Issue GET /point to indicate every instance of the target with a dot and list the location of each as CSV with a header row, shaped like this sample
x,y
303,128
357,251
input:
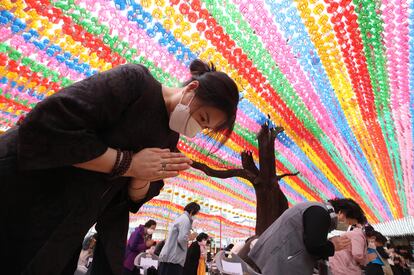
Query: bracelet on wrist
x,y
122,163
140,187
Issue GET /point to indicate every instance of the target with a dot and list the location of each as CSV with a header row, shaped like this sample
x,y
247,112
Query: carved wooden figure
x,y
271,202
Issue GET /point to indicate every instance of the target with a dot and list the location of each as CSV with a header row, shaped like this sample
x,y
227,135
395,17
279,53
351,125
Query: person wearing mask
x,y
139,241
196,254
173,254
298,238
95,151
379,265
350,260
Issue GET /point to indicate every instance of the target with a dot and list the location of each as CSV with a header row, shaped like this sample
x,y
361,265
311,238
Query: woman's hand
x,y
153,164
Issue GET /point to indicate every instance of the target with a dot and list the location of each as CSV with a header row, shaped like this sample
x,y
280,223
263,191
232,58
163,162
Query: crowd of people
x,y
296,243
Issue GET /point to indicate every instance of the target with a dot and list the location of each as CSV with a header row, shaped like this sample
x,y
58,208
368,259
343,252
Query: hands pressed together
x,y
154,164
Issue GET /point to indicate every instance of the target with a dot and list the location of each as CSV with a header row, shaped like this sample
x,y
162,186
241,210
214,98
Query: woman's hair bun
x,y
199,67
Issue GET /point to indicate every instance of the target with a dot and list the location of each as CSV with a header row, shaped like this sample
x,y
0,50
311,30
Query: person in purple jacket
x,y
139,241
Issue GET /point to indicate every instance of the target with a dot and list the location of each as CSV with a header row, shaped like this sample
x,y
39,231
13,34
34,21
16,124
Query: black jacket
x,y
192,259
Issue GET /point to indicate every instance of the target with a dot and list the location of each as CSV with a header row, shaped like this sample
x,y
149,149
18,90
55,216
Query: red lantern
x,y
201,26
203,14
184,8
196,5
192,17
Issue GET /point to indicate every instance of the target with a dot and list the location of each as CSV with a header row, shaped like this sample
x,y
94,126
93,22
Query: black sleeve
x,y
316,223
64,128
153,191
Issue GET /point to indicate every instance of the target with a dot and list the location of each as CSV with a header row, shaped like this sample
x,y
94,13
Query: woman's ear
x,y
192,86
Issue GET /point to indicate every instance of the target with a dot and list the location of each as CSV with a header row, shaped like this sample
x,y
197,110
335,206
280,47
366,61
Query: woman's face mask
x,y
150,231
182,122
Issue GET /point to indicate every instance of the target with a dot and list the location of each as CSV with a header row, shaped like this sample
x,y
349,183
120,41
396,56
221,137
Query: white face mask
x,y
150,231
182,122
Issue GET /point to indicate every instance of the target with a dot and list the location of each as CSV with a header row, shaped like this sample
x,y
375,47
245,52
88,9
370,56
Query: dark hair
x,y
390,245
370,233
201,237
349,208
192,208
216,89
159,247
362,219
380,238
368,230
150,223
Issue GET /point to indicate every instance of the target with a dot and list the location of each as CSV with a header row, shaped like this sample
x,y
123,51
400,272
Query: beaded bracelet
x,y
125,163
122,163
116,164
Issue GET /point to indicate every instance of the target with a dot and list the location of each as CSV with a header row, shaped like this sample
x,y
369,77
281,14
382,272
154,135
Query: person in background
x,y
397,268
379,265
151,250
405,263
159,247
202,267
139,241
298,238
350,260
173,254
209,258
196,254
87,251
92,153
229,247
400,263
